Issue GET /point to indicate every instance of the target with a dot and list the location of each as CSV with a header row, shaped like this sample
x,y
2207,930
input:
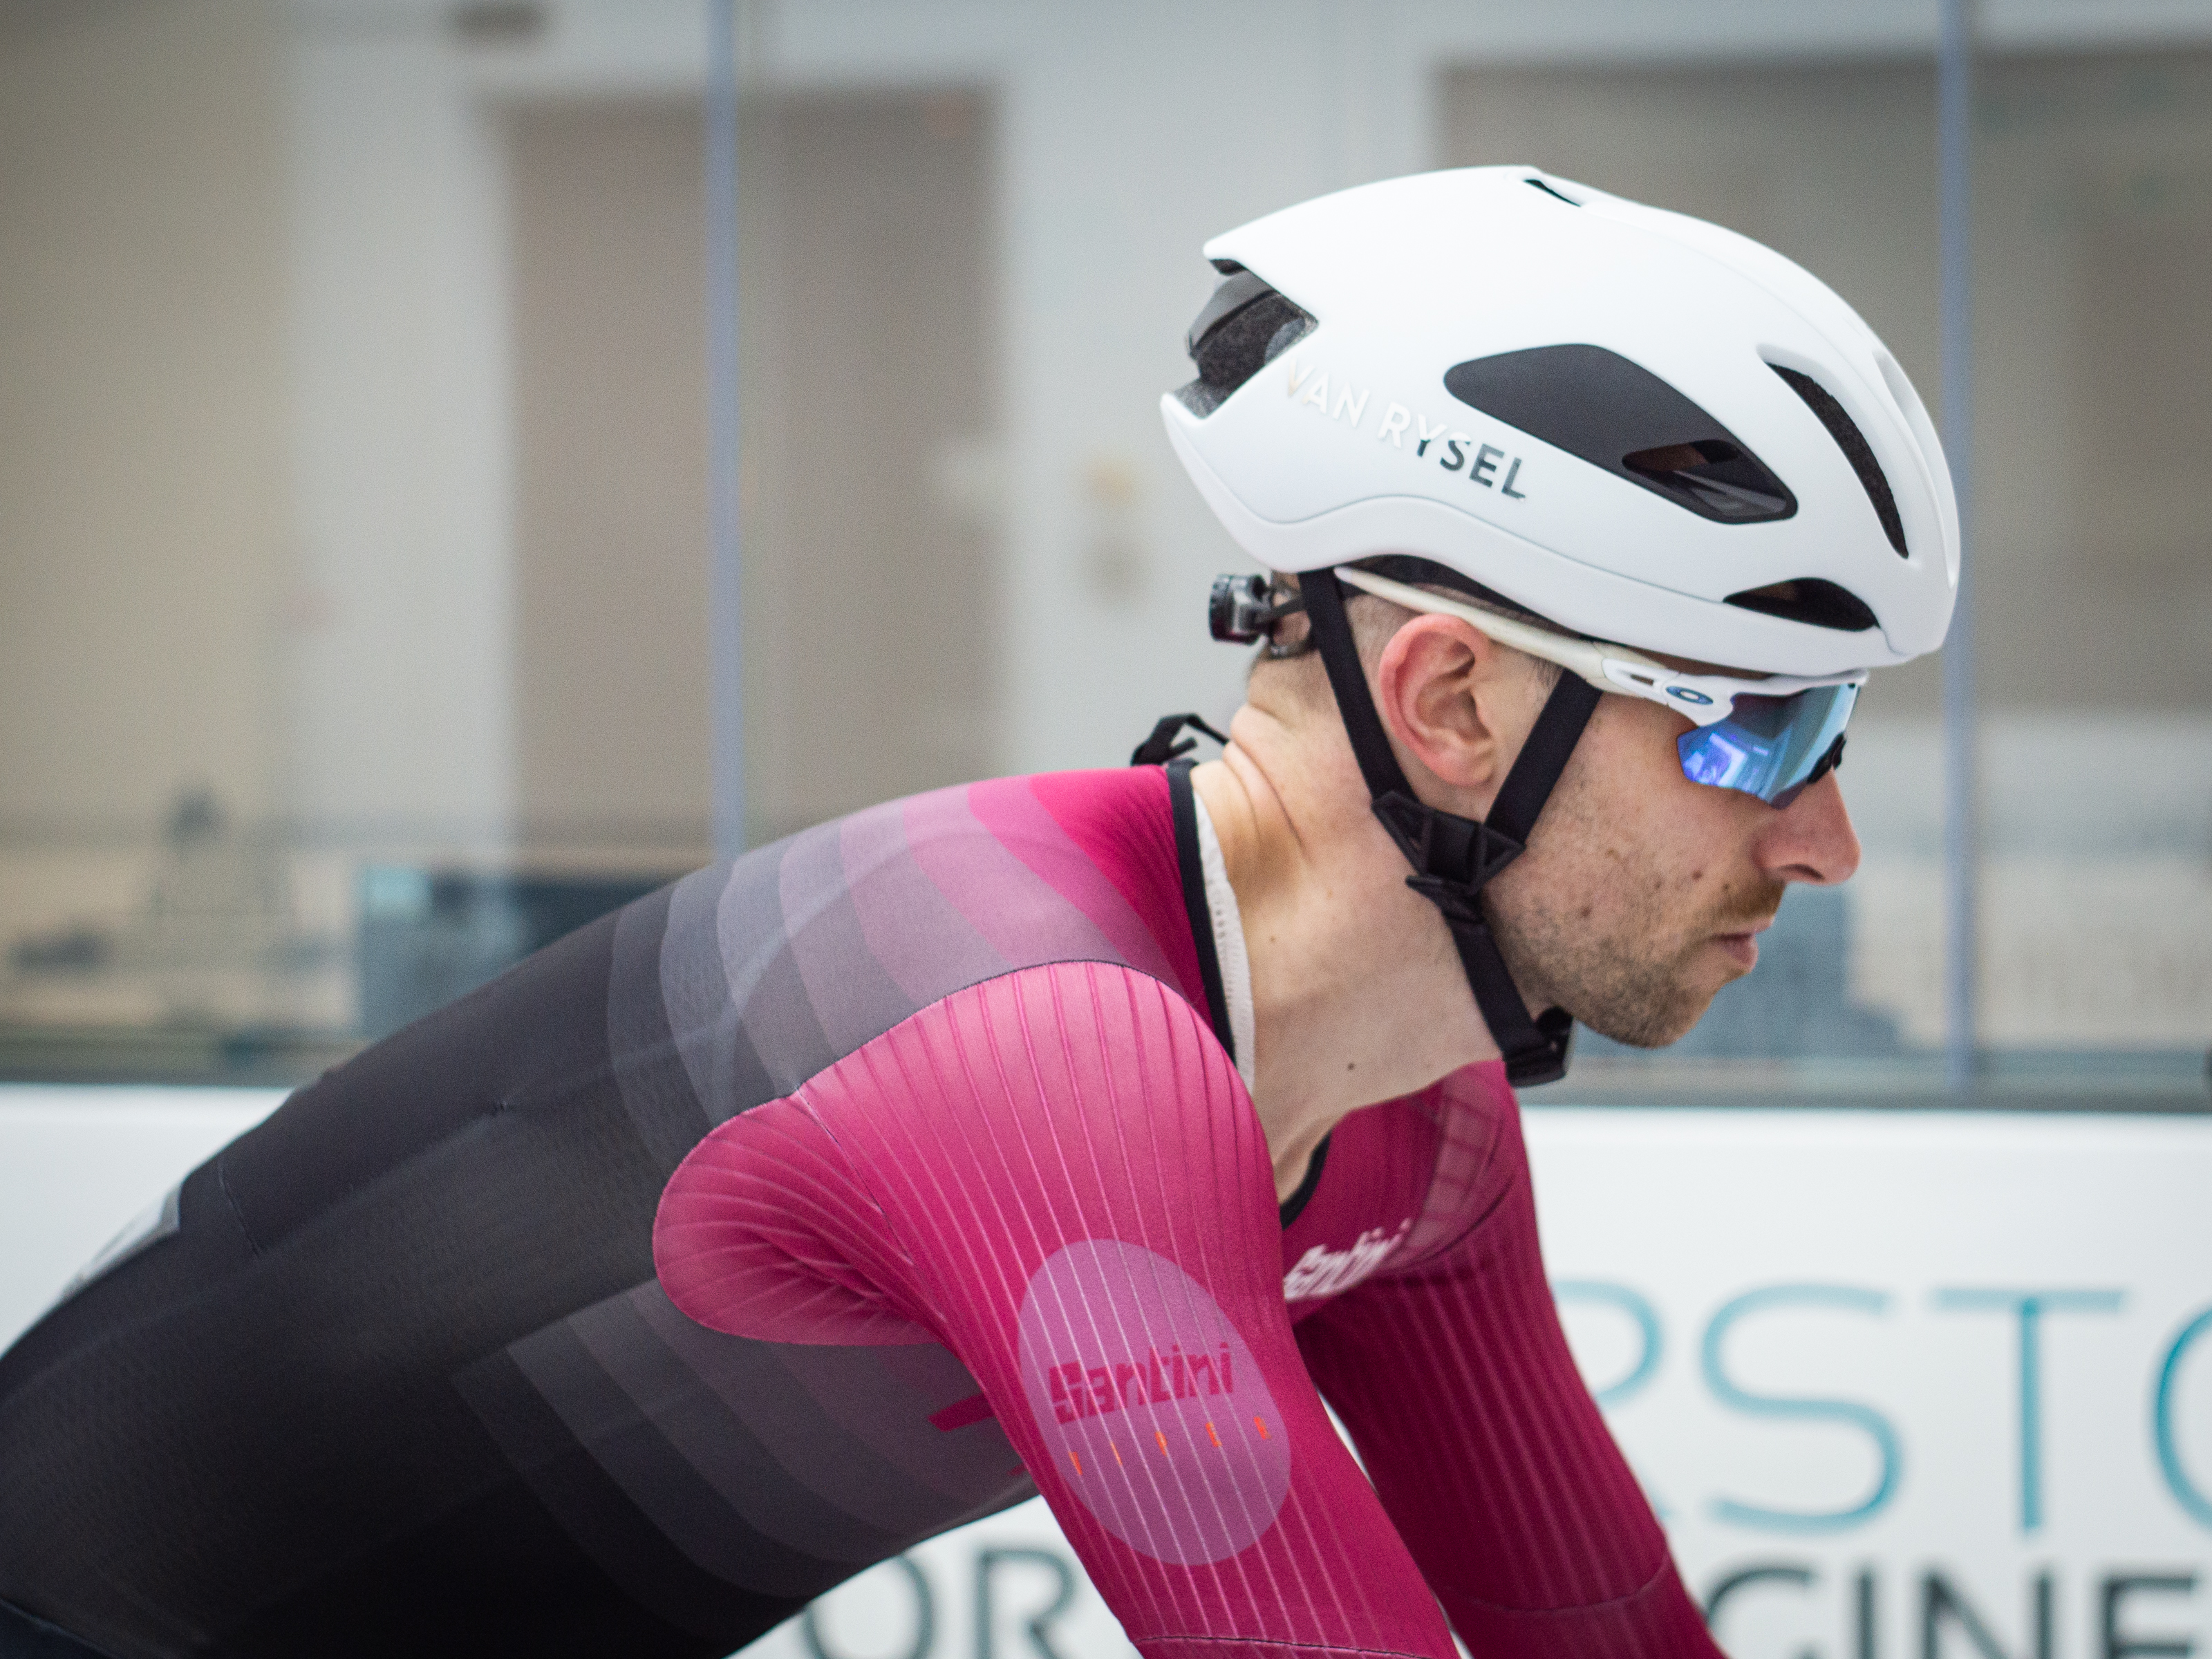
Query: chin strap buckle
x,y
1452,858
1446,850
1549,1063
1456,899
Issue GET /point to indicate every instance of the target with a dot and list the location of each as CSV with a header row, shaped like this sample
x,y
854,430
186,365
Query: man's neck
x,y
1358,995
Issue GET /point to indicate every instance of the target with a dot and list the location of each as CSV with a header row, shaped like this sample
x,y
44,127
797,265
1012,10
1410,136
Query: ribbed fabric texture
x,y
966,1168
985,1202
1455,1378
1057,1175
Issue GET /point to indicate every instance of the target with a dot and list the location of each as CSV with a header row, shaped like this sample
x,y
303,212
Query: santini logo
x,y
1455,450
1082,1390
1324,1272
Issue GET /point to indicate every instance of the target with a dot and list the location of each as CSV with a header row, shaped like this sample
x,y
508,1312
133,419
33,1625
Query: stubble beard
x,y
1603,931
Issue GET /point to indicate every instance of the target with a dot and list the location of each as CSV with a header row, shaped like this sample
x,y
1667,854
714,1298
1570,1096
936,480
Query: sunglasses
x,y
1773,737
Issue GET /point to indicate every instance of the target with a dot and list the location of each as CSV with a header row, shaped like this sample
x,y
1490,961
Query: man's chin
x,y
1665,1017
1646,1028
1645,1006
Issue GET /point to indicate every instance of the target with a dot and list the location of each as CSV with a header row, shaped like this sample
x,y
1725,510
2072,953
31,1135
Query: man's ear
x,y
1445,691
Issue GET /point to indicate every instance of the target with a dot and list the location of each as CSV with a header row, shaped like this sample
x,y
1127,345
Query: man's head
x,y
1663,445
1641,893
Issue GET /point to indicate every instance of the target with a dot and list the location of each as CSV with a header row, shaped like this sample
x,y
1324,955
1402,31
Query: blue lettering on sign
x,y
2029,1307
2186,1492
1039,1625
1864,1417
1763,1572
1943,1599
924,1616
2191,1490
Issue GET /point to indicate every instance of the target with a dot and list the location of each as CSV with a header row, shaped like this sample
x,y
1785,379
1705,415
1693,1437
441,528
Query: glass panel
x,y
2094,222
352,444
154,901
354,437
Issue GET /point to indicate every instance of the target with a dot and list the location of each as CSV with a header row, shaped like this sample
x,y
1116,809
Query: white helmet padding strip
x,y
1706,699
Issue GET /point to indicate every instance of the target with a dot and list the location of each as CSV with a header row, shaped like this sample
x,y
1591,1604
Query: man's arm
x,y
1455,1378
1058,1173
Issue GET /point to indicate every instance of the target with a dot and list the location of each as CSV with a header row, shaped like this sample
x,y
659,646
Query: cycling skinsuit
x,y
790,1216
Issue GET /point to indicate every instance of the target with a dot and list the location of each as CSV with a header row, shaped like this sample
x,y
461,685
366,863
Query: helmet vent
x,y
1618,415
1852,442
1538,184
1242,328
1812,600
1712,476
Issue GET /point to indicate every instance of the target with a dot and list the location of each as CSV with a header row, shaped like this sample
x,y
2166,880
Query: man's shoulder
x,y
758,974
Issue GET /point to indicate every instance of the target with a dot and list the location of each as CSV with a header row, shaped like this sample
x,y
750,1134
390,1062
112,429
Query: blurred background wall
x,y
145,505
145,496
352,460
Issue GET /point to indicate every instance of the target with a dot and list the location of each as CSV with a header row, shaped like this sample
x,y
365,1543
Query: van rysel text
x,y
1451,450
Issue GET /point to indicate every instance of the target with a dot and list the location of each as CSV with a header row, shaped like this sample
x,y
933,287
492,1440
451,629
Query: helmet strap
x,y
1452,856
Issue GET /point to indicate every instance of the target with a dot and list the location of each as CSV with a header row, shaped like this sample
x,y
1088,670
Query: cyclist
x,y
1079,1133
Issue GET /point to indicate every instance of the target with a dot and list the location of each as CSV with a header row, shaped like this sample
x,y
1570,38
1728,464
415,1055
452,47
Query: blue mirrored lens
x,y
1770,747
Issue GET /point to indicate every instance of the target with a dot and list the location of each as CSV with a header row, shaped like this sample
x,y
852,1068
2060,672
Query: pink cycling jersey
x,y
793,1214
1057,1174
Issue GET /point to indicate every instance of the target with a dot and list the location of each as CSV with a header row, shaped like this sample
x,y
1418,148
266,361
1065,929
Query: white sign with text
x,y
1903,1385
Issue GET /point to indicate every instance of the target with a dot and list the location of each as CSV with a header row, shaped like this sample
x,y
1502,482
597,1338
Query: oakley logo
x,y
1404,430
1686,694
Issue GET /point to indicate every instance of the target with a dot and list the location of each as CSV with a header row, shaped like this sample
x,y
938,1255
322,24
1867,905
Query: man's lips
x,y
1742,944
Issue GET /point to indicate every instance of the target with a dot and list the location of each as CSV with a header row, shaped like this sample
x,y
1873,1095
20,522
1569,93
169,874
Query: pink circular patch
x,y
1151,1404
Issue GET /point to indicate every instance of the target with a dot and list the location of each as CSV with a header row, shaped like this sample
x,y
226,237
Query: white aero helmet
x,y
1642,427
1652,434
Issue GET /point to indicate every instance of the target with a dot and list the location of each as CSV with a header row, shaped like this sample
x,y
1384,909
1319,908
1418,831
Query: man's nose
x,y
1812,839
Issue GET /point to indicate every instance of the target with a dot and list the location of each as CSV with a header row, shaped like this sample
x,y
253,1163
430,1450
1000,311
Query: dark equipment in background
x,y
428,936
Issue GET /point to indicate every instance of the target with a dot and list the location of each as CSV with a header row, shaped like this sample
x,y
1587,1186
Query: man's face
x,y
1641,893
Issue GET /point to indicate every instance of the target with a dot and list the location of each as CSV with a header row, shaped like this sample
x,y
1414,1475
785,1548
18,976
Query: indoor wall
x,y
871,567
2093,234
